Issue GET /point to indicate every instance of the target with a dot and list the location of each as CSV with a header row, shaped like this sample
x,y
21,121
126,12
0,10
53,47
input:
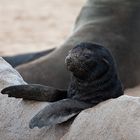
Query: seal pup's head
x,y
89,61
94,71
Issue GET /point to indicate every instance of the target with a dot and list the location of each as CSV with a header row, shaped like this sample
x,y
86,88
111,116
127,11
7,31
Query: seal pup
x,y
94,79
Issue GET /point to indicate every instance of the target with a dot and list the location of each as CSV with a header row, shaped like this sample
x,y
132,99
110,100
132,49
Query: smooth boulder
x,y
15,114
115,119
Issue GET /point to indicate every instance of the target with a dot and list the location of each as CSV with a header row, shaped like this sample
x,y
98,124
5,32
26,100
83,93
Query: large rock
x,y
15,114
116,119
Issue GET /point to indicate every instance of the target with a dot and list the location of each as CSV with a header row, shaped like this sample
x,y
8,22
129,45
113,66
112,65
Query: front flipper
x,y
25,58
35,92
57,112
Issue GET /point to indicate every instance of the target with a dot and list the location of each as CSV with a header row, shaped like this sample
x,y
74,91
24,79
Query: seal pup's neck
x,y
97,89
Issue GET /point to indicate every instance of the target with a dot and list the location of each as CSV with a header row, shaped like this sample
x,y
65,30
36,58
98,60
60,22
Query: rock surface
x,y
116,119
15,114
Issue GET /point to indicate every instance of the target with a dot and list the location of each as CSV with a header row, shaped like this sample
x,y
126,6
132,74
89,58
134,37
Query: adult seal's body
x,y
94,79
111,23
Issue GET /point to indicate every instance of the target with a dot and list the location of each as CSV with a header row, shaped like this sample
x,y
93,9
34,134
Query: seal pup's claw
x,y
35,122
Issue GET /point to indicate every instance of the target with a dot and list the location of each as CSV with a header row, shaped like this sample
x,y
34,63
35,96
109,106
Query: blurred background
x,y
35,25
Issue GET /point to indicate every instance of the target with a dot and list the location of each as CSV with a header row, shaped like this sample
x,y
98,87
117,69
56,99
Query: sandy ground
x,y
33,25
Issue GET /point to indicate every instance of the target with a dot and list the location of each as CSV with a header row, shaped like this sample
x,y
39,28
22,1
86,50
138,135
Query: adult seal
x,y
93,79
114,24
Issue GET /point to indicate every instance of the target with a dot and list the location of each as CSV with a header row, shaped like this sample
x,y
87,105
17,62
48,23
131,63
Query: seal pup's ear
x,y
57,112
106,61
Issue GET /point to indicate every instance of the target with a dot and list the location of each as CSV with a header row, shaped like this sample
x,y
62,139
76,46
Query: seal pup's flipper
x,y
35,92
57,112
20,59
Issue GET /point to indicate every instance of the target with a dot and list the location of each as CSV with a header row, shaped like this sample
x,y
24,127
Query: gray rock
x,y
8,75
115,119
15,114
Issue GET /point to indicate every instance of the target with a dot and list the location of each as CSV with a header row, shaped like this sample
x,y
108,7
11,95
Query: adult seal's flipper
x,y
35,92
24,58
57,112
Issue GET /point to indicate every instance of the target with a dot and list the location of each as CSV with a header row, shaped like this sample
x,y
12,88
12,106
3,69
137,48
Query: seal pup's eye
x,y
87,56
